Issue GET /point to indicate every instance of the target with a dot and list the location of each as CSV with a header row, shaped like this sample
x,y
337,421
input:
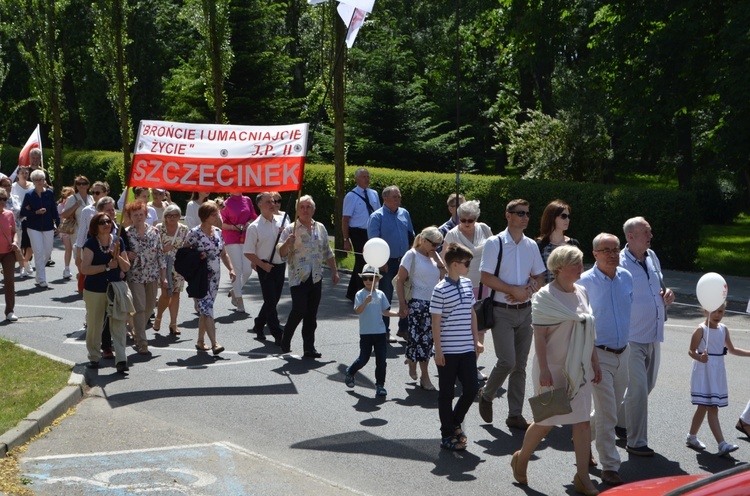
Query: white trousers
x,y
41,245
242,267
643,368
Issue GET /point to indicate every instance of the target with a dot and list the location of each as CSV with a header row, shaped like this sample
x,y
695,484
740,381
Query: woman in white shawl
x,y
564,343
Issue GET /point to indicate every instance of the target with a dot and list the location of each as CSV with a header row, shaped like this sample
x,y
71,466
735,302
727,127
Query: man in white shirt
x,y
647,317
359,203
520,274
260,248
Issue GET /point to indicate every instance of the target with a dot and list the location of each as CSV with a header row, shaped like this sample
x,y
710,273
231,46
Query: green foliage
x,y
96,166
720,197
725,248
564,147
594,208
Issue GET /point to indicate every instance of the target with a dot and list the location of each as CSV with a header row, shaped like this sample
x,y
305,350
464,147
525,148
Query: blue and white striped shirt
x,y
453,300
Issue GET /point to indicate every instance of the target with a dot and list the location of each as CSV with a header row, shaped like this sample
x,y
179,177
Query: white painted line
x,y
83,309
123,452
224,364
253,454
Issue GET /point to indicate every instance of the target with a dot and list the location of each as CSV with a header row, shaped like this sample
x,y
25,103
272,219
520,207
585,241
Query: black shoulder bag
x,y
484,308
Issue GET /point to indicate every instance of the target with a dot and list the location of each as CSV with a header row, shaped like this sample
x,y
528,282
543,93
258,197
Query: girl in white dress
x,y
708,380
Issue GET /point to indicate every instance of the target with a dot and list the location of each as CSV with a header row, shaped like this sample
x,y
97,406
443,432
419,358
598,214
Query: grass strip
x,y
726,249
28,381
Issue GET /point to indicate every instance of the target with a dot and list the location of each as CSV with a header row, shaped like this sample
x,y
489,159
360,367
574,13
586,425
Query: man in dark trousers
x,y
359,203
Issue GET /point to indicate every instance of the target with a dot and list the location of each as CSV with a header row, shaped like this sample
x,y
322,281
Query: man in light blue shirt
x,y
359,204
392,224
647,317
610,290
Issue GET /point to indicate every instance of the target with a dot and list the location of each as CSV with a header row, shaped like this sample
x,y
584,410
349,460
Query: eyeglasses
x,y
608,251
37,180
278,202
82,184
96,193
104,222
368,278
468,221
434,245
172,215
565,216
521,213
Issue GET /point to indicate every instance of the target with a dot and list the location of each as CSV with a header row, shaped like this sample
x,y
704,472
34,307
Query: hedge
x,y
673,215
595,208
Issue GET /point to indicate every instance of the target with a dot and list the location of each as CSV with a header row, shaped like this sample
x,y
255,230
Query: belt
x,y
616,351
512,307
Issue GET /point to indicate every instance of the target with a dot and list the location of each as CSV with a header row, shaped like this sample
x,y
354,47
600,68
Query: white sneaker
x,y
725,448
42,284
694,442
29,269
24,274
66,273
11,317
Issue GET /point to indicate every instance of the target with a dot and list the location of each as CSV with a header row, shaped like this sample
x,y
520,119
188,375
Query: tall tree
x,y
36,28
110,42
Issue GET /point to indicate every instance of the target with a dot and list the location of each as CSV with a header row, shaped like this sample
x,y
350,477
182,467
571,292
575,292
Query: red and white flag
x,y
219,158
34,141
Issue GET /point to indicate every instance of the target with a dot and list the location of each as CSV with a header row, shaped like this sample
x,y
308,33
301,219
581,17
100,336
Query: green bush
x,y
594,208
721,197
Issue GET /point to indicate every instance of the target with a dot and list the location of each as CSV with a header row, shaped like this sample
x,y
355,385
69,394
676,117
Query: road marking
x,y
52,308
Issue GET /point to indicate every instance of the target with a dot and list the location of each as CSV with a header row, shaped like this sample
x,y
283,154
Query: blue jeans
x,y
367,343
386,286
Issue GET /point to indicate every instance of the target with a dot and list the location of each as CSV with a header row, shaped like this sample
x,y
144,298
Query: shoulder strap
x,y
497,268
273,252
370,210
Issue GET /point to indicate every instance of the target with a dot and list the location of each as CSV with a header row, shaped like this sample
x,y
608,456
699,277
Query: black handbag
x,y
484,308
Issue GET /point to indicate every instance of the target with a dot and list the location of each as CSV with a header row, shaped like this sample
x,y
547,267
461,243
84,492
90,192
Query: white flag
x,y
354,18
34,141
365,5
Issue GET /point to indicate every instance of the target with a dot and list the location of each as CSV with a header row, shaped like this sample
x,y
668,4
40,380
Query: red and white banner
x,y
219,158
34,141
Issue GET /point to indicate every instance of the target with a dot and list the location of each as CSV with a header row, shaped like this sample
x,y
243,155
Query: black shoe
x,y
260,335
285,350
313,354
640,451
122,367
621,433
277,335
93,365
50,263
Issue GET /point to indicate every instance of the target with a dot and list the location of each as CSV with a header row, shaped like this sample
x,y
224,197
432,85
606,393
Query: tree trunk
x,y
217,77
338,125
122,101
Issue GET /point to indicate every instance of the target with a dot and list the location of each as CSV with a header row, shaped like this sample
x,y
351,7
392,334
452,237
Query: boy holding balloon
x,y
371,305
708,380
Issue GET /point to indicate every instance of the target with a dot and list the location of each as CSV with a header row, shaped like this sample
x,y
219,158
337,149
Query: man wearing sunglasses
x,y
519,275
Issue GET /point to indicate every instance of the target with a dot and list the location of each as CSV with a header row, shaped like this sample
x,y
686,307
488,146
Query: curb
x,y
42,417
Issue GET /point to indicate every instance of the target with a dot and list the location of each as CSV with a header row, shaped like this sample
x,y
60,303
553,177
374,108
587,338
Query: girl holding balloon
x,y
708,380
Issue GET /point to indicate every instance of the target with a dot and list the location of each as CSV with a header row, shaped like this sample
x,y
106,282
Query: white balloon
x,y
711,291
376,252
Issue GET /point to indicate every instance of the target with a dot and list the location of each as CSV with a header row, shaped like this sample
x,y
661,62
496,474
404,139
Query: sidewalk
x,y
684,283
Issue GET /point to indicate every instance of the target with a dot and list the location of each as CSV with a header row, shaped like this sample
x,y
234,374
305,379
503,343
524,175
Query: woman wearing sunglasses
x,y
74,205
555,221
473,235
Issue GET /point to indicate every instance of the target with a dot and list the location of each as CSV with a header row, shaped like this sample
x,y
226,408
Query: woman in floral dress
x,y
147,270
173,235
207,239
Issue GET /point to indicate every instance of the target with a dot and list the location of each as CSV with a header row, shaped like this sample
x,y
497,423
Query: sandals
x,y
157,324
217,349
201,346
460,435
743,427
451,443
412,368
174,330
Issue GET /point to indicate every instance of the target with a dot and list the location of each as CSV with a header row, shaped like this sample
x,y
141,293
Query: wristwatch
x,y
106,268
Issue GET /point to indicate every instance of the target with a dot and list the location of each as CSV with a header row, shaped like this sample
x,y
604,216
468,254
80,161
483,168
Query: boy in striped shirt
x,y
454,331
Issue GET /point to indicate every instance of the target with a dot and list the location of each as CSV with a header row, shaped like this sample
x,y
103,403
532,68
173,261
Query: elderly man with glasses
x,y
610,290
511,266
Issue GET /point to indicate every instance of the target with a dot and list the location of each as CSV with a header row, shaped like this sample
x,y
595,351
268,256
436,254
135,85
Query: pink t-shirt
x,y
7,223
238,211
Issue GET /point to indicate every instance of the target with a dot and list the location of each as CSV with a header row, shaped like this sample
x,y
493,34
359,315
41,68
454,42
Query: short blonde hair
x,y
431,234
563,256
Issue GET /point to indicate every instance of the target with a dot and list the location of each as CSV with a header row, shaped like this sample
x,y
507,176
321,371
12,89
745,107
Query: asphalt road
x,y
253,422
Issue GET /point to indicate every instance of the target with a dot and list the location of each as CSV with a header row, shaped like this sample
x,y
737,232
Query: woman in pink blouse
x,y
237,214
147,270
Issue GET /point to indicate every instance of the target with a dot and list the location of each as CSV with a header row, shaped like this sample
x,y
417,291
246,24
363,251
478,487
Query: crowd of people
x,y
596,334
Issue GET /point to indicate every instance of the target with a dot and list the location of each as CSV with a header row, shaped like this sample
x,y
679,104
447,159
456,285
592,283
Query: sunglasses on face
x,y
82,184
278,202
104,222
368,278
96,193
608,251
465,263
521,213
3,199
565,216
468,221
